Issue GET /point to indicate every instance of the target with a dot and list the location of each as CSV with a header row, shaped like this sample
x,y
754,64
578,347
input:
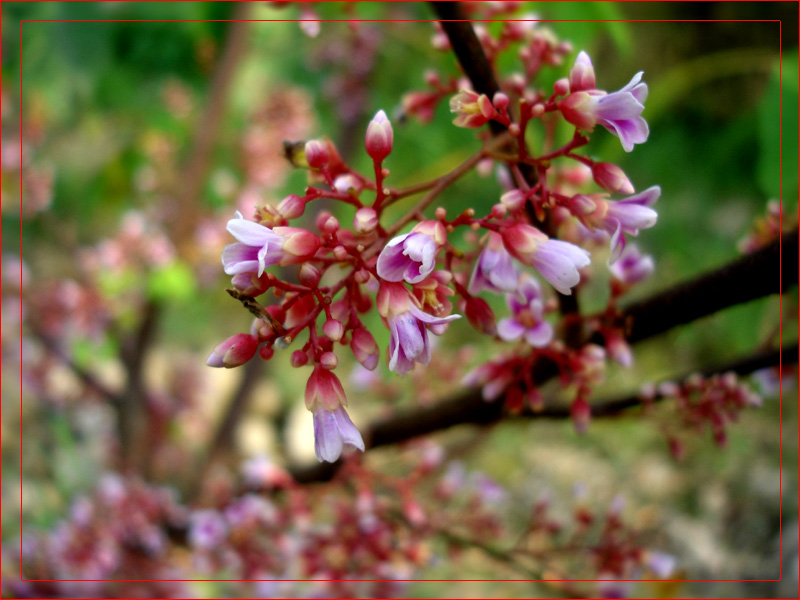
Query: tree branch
x,y
471,408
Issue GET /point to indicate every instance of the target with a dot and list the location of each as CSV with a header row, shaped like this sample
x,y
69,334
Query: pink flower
x,y
333,428
379,138
259,247
408,327
558,262
412,256
494,270
528,316
617,217
471,110
619,112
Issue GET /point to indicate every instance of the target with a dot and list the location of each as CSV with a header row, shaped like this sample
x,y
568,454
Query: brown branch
x,y
471,408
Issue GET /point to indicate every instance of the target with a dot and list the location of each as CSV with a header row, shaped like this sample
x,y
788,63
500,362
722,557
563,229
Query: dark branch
x,y
752,276
472,408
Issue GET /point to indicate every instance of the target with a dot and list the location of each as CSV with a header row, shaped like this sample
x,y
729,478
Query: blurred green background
x,y
109,114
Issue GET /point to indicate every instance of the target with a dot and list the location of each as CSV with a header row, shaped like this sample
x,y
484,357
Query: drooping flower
x,y
259,247
527,318
472,110
558,262
333,429
408,327
495,269
411,256
617,217
619,112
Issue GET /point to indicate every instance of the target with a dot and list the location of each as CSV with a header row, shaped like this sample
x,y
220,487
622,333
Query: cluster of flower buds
x,y
703,402
539,225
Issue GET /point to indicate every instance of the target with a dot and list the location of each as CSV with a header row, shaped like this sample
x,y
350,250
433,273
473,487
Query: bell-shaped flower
x,y
495,269
259,247
412,256
619,112
408,327
527,320
333,429
558,262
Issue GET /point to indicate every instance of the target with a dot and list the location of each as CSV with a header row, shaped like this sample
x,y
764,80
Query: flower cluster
x,y
540,227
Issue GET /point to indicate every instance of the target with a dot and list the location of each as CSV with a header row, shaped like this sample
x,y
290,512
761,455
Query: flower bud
x,y
325,389
316,154
291,207
513,199
365,349
309,275
480,315
361,276
582,205
331,225
266,352
379,138
298,246
561,87
581,76
340,253
610,177
328,361
233,352
366,220
333,330
299,358
346,183
500,100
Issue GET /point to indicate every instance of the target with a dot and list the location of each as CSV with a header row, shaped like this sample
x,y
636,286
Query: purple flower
x,y
528,316
558,262
619,112
207,529
408,327
333,429
259,247
494,270
617,217
632,266
412,256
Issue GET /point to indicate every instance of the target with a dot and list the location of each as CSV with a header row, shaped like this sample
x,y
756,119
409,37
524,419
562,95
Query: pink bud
x,y
266,352
366,220
561,87
316,154
333,330
321,218
610,177
499,211
309,275
331,225
340,253
379,138
233,352
299,358
299,245
324,388
361,276
365,349
513,199
291,207
581,205
328,361
577,108
480,315
581,76
500,100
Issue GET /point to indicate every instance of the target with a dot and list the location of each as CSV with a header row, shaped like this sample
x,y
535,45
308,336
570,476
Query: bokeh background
x,y
126,145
